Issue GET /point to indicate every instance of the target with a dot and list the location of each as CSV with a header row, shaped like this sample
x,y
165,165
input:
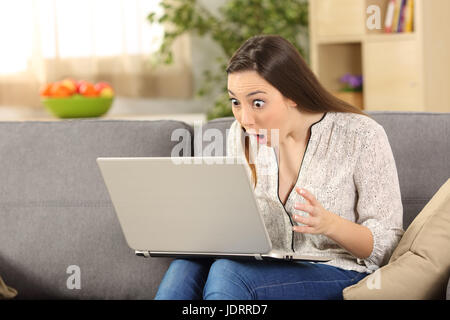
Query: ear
x,y
290,103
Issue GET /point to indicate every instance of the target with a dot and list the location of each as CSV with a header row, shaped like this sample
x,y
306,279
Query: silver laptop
x,y
189,207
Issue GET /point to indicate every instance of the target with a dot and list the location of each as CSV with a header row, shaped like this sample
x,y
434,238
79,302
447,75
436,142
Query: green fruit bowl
x,y
78,106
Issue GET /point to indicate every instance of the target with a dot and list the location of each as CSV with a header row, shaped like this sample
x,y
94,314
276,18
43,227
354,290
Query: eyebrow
x,y
250,94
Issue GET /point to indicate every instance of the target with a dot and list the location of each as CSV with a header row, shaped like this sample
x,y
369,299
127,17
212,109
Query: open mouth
x,y
261,138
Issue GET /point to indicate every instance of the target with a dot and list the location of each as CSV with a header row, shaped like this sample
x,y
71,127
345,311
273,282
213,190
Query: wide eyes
x,y
257,103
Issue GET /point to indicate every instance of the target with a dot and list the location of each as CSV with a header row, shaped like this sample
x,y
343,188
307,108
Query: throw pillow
x,y
5,291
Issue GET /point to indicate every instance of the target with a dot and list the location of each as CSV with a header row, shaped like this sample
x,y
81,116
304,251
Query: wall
x,y
204,51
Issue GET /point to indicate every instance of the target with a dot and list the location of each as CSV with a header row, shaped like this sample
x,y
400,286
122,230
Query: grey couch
x,y
55,211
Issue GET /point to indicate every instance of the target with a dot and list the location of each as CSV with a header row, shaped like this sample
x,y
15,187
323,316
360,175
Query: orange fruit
x,y
46,90
60,91
70,84
87,89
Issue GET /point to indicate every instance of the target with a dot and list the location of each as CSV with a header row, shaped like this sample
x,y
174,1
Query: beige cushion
x,y
419,267
5,291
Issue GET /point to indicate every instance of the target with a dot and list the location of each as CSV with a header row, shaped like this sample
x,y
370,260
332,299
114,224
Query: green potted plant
x,y
238,21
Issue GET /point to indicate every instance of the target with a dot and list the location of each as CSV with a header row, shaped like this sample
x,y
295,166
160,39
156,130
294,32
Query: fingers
x,y
304,207
308,222
303,229
307,195
301,219
312,221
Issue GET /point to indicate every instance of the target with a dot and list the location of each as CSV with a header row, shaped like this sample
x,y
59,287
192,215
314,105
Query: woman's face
x,y
257,105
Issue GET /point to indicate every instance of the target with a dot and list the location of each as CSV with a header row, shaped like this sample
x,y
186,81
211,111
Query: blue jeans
x,y
223,279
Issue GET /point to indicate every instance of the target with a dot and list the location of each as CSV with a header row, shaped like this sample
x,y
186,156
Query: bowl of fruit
x,y
77,99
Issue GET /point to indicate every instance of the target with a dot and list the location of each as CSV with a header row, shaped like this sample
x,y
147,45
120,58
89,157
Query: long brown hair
x,y
278,61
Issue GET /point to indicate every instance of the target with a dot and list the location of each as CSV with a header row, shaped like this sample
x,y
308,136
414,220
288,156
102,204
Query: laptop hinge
x,y
145,254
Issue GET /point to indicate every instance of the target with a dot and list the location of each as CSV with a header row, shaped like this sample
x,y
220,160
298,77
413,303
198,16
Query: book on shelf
x,y
399,16
409,16
396,15
389,16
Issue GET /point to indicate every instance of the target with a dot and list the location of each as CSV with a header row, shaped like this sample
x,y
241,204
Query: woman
x,y
334,190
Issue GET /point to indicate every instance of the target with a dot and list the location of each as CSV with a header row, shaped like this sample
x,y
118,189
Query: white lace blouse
x,y
348,165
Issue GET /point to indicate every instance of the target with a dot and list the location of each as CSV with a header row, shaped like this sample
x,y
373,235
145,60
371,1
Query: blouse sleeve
x,y
379,205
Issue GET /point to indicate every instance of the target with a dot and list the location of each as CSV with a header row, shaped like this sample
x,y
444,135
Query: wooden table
x,y
29,114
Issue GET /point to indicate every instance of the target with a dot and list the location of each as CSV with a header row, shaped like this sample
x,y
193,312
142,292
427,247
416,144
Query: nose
x,y
246,117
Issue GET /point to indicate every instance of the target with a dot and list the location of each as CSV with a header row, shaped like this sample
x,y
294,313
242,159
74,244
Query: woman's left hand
x,y
319,221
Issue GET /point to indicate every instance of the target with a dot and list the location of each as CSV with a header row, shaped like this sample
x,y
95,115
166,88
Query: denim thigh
x,y
259,280
184,280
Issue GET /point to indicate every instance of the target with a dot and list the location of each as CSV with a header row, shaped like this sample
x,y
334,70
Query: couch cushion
x,y
419,267
56,213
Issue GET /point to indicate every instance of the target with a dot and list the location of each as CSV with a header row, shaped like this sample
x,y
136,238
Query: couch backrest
x,y
420,143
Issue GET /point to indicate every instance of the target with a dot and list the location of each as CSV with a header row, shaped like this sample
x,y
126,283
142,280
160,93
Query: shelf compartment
x,y
335,60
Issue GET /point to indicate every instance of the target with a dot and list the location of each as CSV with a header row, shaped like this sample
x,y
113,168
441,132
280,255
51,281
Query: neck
x,y
298,130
